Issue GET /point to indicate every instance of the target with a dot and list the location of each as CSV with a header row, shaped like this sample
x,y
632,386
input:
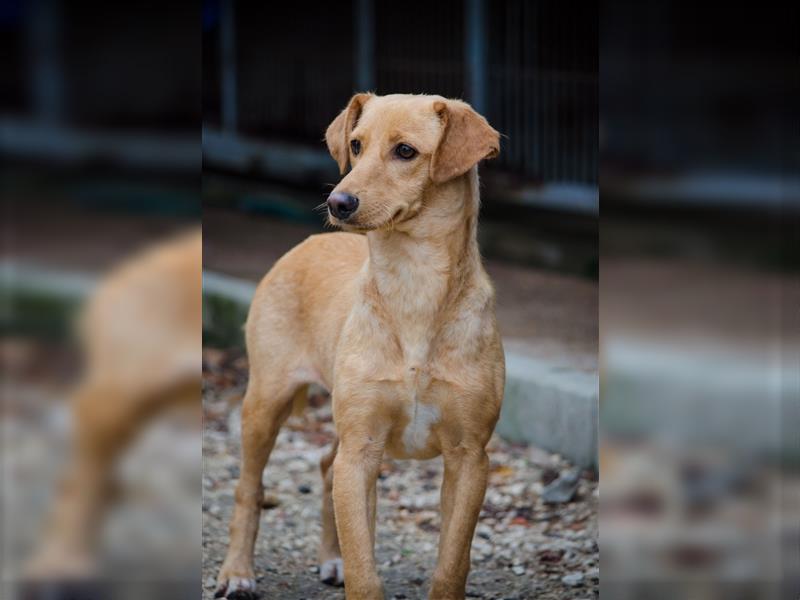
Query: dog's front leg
x,y
355,473
465,474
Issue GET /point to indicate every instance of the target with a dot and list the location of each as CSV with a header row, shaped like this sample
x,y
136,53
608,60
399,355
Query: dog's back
x,y
146,318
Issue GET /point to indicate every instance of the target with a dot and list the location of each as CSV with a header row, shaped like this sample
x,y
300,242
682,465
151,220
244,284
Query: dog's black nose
x,y
342,205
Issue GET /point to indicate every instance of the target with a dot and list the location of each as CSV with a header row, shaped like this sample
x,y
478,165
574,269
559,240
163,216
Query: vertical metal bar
x,y
46,68
580,132
227,43
527,138
508,78
518,108
365,45
558,126
536,72
547,114
534,107
579,106
475,44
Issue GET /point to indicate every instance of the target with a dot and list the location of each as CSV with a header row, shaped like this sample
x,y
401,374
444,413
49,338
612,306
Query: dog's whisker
x,y
388,217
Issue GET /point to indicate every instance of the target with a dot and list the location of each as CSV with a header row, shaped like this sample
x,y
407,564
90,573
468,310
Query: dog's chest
x,y
422,368
421,399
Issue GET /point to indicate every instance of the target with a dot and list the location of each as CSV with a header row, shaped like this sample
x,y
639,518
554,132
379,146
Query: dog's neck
x,y
420,271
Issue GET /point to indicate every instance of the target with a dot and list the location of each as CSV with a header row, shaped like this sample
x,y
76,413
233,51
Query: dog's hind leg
x,y
331,570
108,417
265,408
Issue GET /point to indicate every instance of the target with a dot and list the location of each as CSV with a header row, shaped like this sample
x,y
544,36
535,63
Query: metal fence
x,y
529,66
420,49
543,87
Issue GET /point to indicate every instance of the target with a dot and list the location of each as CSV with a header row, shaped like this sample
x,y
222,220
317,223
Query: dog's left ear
x,y
467,138
338,132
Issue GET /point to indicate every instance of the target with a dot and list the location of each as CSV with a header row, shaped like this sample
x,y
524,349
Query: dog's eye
x,y
405,151
355,146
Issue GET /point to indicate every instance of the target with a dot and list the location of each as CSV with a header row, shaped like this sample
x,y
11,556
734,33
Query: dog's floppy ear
x,y
338,131
467,138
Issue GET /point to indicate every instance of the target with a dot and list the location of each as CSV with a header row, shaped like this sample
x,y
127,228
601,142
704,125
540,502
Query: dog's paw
x,y
236,588
331,572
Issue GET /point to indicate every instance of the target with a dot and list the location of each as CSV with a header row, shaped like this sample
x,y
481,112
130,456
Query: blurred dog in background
x,y
141,333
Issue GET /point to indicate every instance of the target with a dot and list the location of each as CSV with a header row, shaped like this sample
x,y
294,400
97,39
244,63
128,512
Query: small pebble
x,y
297,466
563,489
572,579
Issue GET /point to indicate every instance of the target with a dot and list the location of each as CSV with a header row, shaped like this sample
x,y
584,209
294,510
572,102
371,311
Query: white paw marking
x,y
241,583
236,584
332,572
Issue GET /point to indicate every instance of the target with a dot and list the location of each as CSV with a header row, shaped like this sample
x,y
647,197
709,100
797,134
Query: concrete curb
x,y
545,404
226,301
38,301
552,407
16,277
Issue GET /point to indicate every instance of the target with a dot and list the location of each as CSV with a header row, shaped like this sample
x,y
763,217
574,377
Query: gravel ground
x,y
524,548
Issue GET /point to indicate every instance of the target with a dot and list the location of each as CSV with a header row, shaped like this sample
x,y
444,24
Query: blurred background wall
x,y
95,123
700,156
275,76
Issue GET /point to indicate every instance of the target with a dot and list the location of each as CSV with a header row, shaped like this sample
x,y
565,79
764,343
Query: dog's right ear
x,y
338,131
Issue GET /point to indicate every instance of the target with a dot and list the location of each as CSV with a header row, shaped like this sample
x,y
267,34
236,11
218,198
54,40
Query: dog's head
x,y
398,147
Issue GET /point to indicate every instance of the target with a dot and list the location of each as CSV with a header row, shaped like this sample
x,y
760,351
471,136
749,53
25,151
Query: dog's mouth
x,y
356,225
397,217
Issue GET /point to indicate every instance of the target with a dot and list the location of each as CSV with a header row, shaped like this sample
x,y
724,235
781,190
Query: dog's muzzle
x,y
341,205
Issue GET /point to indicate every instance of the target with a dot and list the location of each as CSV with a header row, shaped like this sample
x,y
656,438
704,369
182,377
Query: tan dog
x,y
141,334
399,325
